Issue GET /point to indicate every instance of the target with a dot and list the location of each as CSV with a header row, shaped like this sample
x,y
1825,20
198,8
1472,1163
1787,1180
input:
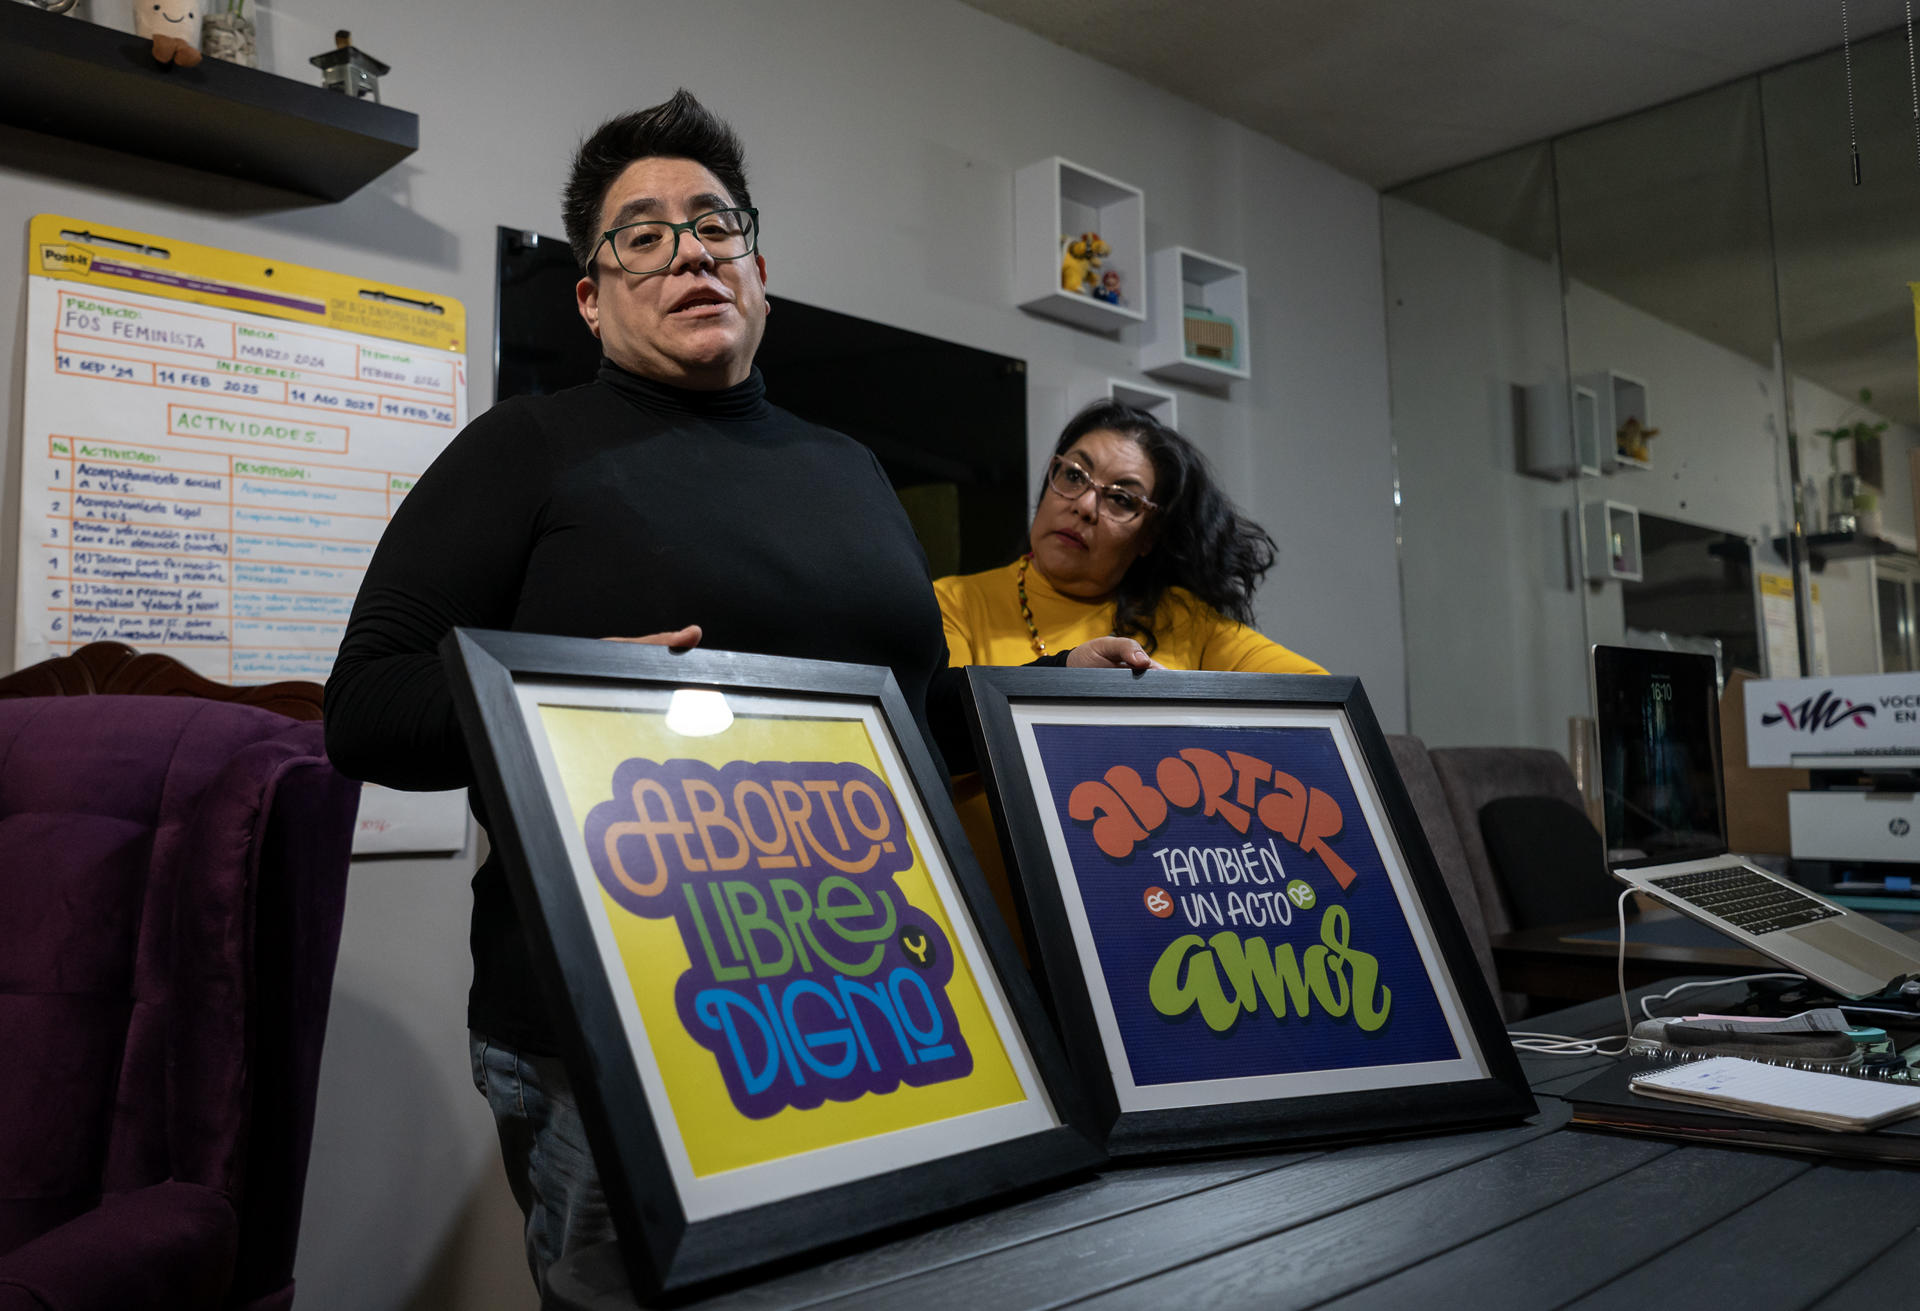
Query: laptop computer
x,y
1659,732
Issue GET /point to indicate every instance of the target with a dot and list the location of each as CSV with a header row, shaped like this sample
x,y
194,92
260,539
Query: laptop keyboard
x,y
1746,899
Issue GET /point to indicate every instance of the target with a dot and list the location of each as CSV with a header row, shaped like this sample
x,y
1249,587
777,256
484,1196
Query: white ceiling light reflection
x,y
698,712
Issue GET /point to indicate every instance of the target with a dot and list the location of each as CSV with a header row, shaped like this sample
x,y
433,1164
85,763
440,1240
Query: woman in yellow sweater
x,y
1132,538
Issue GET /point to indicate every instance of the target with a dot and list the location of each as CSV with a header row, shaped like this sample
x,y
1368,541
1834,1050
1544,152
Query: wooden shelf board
x,y
1084,311
1201,373
1822,547
82,82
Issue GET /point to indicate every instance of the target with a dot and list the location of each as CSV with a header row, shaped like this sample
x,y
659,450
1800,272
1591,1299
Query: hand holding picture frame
x,y
1240,928
789,1009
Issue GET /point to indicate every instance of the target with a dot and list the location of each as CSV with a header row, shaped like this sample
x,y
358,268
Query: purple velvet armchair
x,y
172,877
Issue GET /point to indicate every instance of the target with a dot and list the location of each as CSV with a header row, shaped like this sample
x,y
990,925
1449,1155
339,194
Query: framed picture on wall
x,y
790,1010
1240,927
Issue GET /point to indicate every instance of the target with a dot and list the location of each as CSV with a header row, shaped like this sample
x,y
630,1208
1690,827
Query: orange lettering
x,y
1178,783
1147,805
1325,821
1216,776
651,828
1284,810
768,847
711,816
1114,828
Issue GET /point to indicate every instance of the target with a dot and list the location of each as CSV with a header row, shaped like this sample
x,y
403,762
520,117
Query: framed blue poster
x,y
1238,924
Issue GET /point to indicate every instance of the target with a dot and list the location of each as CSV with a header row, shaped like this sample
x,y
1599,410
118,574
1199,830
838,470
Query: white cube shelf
x,y
1055,200
1164,406
1619,398
1613,541
1197,321
1590,450
1558,442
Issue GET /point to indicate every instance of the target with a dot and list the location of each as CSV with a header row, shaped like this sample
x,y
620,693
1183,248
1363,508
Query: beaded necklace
x,y
1026,611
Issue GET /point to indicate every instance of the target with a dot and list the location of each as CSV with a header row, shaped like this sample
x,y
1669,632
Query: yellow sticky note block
x,y
1914,288
104,256
657,950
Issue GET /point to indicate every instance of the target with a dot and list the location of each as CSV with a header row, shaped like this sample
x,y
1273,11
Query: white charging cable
x,y
1559,1044
1646,1003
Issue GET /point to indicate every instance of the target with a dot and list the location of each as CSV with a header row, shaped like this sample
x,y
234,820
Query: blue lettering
x,y
715,1007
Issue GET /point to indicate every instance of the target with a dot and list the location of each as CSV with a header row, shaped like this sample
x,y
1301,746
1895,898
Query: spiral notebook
x,y
1609,1101
1774,1092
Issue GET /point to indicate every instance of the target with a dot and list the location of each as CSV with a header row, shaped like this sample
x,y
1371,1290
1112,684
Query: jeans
x,y
544,1145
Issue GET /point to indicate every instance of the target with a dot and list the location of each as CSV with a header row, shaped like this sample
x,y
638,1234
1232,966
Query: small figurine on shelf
x,y
1109,288
1073,263
173,34
1633,438
348,69
1081,258
1209,336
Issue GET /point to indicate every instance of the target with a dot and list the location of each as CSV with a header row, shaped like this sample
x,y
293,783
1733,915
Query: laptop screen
x,y
1659,730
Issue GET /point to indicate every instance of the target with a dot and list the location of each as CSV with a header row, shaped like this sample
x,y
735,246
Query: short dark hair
x,y
680,128
1202,543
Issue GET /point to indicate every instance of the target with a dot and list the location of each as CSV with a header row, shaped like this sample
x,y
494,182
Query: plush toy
x,y
1082,256
1634,437
1073,263
1109,288
173,26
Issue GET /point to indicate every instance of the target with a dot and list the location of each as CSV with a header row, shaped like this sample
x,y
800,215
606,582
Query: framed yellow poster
x,y
790,1007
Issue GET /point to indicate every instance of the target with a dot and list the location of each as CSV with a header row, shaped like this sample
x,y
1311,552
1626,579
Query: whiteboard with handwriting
x,y
208,481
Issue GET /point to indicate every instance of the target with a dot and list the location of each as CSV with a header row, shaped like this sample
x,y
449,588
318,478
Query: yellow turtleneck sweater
x,y
984,627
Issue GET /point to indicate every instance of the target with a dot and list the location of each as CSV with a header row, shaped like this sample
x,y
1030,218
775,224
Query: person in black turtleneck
x,y
666,502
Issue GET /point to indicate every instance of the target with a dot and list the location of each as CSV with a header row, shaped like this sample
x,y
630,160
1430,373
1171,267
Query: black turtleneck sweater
x,y
617,509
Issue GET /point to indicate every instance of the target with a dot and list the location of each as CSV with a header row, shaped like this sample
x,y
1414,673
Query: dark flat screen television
x,y
948,422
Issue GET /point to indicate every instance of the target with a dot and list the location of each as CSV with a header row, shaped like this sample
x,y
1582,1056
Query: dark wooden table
x,y
1567,962
1537,1215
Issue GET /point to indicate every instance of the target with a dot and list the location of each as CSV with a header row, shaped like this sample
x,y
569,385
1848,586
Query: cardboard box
x,y
1756,799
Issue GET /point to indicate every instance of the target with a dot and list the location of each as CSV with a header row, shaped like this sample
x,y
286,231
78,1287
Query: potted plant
x,y
227,33
1865,437
1866,507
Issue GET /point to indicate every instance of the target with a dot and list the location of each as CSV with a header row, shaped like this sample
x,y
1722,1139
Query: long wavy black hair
x,y
1201,542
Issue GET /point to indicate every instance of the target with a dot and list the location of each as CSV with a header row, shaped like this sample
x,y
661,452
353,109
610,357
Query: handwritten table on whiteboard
x,y
213,445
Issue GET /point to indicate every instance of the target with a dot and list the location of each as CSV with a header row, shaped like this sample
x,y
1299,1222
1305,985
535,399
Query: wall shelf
x,y
1199,307
1053,198
1619,398
1822,547
82,82
1164,406
1553,443
1613,541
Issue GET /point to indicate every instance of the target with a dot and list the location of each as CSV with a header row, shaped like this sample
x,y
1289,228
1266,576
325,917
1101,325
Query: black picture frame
x,y
1497,1093
667,1250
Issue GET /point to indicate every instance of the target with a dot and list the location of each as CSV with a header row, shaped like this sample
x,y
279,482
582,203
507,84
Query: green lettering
x,y
1255,972
706,940
754,922
830,913
1172,996
1334,930
796,909
1321,980
726,920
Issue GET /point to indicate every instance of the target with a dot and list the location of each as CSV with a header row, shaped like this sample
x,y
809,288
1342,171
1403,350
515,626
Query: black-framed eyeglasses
x,y
1118,504
651,244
